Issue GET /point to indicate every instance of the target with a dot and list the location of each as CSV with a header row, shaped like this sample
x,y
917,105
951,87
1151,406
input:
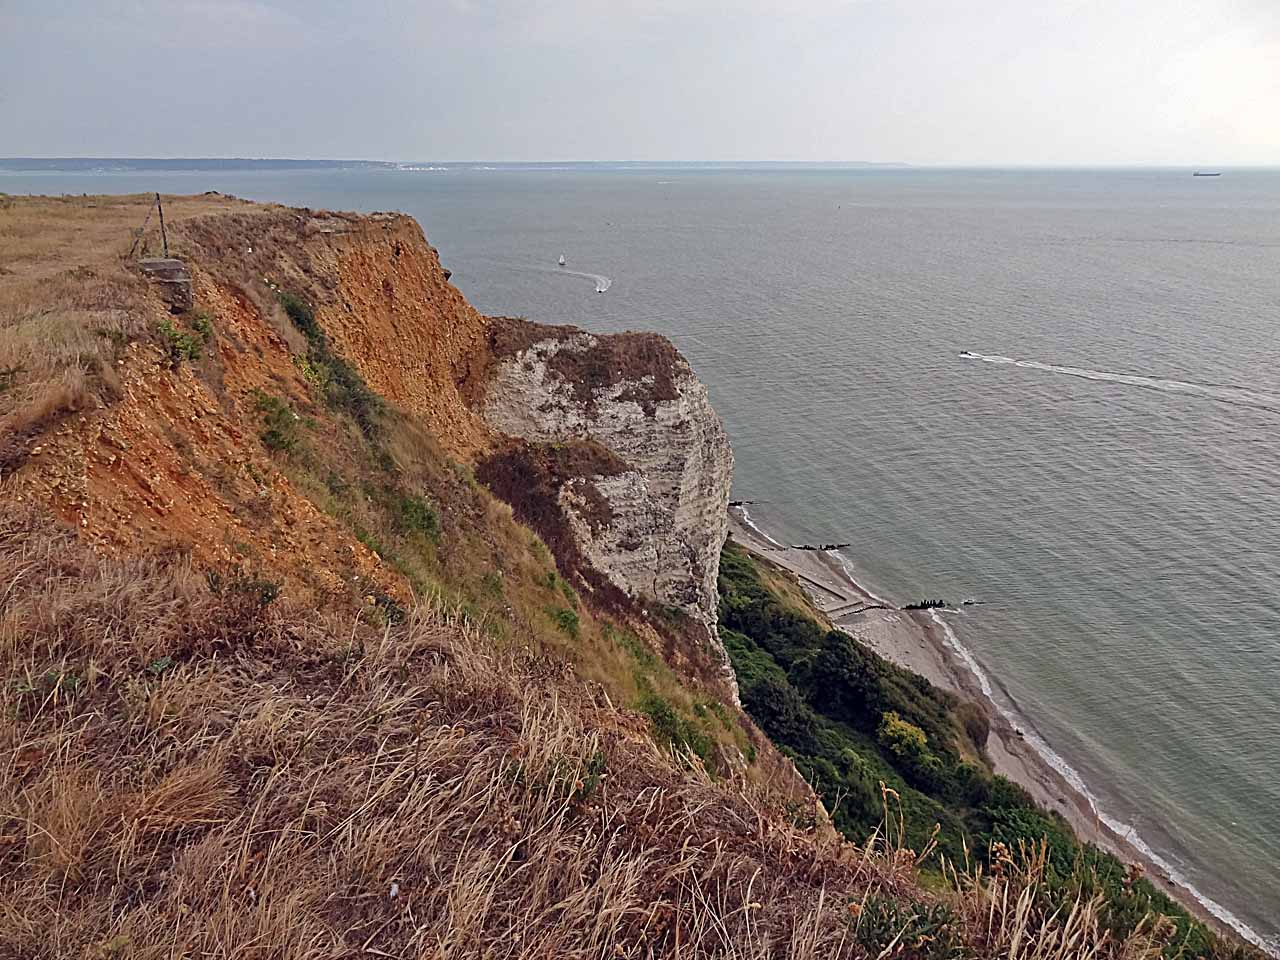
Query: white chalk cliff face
x,y
669,509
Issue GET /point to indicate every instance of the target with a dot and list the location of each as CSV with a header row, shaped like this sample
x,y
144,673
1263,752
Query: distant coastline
x,y
269,164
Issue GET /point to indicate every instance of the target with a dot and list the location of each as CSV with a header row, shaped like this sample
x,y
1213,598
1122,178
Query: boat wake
x,y
1216,392
602,282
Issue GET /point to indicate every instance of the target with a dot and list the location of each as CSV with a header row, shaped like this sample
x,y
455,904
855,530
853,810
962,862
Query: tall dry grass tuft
x,y
179,779
186,772
1013,915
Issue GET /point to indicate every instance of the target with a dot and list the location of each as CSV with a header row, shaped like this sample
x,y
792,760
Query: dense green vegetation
x,y
340,383
851,720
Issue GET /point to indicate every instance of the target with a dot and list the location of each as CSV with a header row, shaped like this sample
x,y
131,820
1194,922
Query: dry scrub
x,y
191,773
201,775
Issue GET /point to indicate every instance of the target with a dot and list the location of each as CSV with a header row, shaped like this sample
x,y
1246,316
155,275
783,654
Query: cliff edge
x,y
652,516
338,619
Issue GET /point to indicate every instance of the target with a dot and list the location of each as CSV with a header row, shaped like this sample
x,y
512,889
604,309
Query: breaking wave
x,y
1219,393
1072,776
746,518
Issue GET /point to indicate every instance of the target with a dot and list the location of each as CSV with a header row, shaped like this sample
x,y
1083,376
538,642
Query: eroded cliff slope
x,y
282,677
312,408
653,517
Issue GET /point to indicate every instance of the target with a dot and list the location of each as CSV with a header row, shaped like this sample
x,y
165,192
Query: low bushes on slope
x,y
851,720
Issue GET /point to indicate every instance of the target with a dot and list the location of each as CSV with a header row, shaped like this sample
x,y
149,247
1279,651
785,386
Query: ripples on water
x,y
1106,481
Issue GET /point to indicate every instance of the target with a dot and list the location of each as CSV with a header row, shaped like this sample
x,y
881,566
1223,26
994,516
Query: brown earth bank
x,y
284,677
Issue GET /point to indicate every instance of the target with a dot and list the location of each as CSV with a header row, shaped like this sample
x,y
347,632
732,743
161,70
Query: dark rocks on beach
x,y
927,605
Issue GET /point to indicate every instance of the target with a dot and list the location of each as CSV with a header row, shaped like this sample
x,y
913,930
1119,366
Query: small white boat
x,y
562,259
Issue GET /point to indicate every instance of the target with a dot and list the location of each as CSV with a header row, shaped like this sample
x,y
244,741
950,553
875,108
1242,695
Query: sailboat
x,y
562,259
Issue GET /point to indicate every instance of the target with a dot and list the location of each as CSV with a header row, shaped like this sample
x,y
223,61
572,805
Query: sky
x,y
998,82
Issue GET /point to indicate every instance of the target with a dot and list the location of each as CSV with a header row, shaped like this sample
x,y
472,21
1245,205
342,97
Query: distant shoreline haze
x,y
285,164
169,164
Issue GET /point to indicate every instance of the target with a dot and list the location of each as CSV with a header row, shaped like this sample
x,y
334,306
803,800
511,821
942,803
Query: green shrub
x,y
179,344
280,425
415,515
645,659
902,739
929,931
301,315
851,720
342,386
202,324
670,729
565,620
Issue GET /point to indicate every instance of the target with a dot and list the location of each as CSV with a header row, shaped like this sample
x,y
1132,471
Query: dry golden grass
x,y
190,774
1011,914
71,301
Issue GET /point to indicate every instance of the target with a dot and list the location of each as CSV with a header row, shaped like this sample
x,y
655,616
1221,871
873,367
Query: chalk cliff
x,y
654,527
635,514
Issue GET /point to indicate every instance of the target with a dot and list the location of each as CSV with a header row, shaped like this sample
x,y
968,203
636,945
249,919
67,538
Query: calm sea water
x,y
1113,501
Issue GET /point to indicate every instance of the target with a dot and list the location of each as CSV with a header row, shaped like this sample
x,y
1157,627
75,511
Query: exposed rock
x,y
655,528
173,279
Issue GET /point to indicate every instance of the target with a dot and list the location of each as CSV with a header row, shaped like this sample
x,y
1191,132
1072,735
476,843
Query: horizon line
x,y
1011,164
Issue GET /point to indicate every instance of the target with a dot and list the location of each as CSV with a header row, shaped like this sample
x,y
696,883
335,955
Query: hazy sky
x,y
923,81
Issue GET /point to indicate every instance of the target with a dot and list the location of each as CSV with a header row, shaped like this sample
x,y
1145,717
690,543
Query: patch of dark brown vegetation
x,y
647,362
529,478
510,336
593,505
583,458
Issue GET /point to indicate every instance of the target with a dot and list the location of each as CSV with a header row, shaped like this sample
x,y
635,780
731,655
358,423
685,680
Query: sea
x,y
1056,392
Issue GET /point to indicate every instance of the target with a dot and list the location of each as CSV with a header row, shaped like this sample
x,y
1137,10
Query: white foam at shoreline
x,y
746,518
848,572
1121,829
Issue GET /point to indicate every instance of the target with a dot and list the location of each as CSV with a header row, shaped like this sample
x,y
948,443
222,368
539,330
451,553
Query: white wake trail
x,y
1221,393
601,281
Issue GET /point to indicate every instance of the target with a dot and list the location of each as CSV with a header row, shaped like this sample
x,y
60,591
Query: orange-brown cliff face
x,y
312,419
382,297
246,436
104,422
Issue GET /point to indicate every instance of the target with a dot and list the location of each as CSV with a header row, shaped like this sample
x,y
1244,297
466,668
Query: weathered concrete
x,y
173,280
